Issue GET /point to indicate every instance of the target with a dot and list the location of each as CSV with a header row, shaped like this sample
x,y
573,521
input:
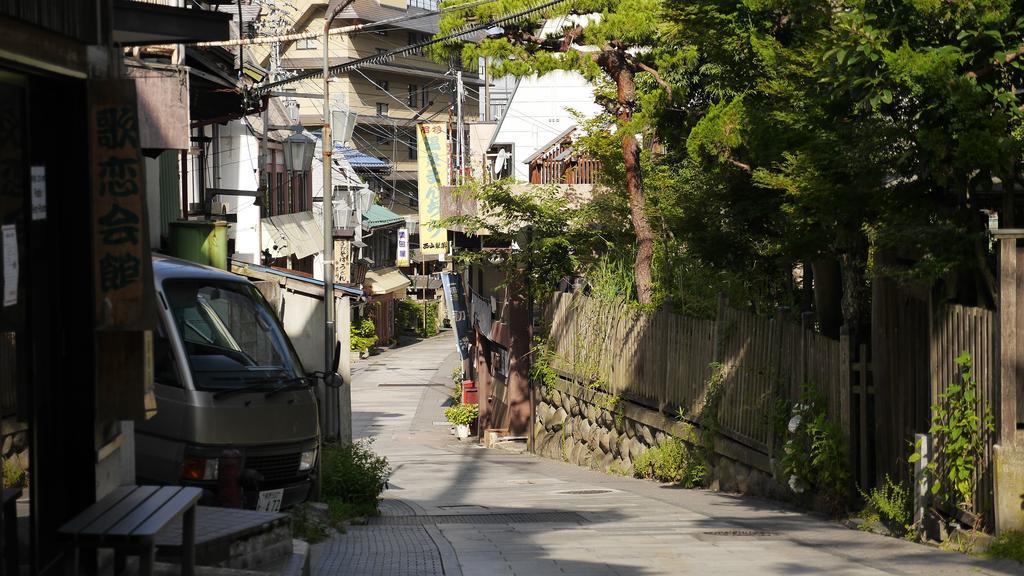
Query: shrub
x,y
960,437
671,461
14,475
462,414
409,317
457,378
1008,545
363,335
813,457
892,505
353,474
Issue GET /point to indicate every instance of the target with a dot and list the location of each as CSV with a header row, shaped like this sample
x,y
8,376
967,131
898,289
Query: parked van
x,y
226,379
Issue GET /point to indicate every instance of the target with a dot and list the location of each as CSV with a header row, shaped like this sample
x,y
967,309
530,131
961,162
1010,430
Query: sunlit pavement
x,y
454,508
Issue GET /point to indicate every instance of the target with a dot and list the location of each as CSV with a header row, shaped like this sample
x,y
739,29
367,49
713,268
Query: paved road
x,y
454,508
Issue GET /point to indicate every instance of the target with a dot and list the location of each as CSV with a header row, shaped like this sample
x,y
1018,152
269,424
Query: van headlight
x,y
196,468
308,460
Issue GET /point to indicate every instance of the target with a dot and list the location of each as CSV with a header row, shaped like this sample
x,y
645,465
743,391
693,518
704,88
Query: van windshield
x,y
230,335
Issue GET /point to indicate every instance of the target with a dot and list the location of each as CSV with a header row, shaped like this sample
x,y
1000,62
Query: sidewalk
x,y
454,508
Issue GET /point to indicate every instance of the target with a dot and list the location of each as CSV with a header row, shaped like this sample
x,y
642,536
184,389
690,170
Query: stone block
x,y
659,437
647,434
8,446
594,438
606,462
1008,482
613,442
636,448
556,398
555,420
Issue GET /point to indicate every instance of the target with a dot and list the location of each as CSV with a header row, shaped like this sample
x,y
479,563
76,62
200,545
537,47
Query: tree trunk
x,y
634,181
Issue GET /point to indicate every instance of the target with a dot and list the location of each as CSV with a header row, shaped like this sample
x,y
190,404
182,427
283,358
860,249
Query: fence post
x,y
716,353
845,395
922,488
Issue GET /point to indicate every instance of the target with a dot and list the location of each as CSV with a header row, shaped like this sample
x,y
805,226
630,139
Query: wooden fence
x,y
955,330
665,361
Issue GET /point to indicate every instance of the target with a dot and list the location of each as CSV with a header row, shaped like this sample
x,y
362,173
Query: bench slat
x,y
119,511
127,525
175,507
89,515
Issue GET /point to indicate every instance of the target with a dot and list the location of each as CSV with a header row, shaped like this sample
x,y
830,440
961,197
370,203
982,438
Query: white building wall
x,y
540,111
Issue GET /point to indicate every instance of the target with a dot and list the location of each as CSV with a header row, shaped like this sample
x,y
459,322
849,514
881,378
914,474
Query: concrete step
x,y
233,538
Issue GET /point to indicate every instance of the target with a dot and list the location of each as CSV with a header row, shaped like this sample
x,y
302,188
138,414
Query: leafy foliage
x,y
462,414
892,505
409,317
541,370
960,435
672,461
813,457
14,474
363,335
1009,545
353,475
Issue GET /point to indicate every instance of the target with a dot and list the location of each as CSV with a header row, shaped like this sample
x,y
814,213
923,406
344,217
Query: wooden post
x,y
1007,339
845,370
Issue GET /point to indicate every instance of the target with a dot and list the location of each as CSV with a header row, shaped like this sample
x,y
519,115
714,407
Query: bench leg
x,y
188,542
147,557
120,561
71,560
10,538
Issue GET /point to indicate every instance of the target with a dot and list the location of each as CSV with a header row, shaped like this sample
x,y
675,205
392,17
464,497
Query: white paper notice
x,y
10,262
38,192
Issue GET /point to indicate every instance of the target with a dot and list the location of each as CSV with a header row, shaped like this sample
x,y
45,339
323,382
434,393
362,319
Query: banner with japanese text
x,y
432,155
402,249
121,261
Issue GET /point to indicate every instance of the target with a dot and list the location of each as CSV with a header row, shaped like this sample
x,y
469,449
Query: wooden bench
x,y
128,520
9,531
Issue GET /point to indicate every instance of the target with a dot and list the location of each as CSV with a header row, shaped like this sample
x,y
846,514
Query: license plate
x,y
270,500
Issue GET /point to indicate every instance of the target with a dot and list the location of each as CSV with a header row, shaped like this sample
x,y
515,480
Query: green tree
x,y
610,43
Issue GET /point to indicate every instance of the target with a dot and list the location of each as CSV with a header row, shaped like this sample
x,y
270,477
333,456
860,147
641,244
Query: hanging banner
x,y
432,154
455,299
121,262
402,252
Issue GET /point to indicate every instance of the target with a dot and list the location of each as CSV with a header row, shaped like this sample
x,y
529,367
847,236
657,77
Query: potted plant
x,y
462,416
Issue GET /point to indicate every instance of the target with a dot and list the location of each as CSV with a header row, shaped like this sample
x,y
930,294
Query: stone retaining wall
x,y
596,430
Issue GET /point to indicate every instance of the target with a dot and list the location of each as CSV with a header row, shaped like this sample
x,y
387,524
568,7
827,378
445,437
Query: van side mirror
x,y
337,357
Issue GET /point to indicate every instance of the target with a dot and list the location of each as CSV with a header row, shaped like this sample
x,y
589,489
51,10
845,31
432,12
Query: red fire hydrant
x,y
229,491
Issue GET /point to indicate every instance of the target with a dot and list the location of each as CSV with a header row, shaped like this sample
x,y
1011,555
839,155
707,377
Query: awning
x,y
378,216
299,234
385,280
360,160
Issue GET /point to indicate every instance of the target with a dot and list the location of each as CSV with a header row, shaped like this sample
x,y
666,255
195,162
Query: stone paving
x,y
555,518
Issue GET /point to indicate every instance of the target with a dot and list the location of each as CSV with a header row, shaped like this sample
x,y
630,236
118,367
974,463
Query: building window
x,y
381,85
382,109
311,43
383,137
411,141
413,93
382,51
279,187
416,38
425,96
381,32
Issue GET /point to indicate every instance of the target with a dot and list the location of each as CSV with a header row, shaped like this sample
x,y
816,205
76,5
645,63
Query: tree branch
x,y
657,77
990,68
745,167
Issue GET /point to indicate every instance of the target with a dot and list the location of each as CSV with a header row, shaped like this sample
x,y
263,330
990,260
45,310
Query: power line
x,y
343,30
388,55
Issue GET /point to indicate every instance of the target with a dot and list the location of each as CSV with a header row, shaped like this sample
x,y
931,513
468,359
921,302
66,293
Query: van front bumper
x,y
293,493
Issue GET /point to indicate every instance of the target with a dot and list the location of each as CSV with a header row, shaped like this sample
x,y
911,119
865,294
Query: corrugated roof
x,y
372,11
359,160
378,216
299,234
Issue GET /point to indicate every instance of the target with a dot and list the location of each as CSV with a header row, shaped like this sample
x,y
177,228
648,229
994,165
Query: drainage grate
x,y
741,533
585,492
514,518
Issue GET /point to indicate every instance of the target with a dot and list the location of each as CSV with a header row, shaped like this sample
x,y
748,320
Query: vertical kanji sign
x,y
121,261
432,146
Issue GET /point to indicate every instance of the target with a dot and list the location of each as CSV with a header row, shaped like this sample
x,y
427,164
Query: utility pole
x,y
331,409
487,90
460,161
